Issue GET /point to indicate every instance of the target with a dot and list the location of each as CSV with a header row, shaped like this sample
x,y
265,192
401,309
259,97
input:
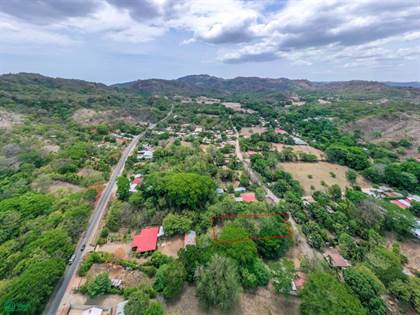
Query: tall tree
x,y
218,283
323,294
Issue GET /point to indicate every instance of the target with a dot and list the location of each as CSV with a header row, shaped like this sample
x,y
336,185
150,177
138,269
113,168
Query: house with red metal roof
x,y
402,203
248,197
146,240
136,182
335,260
280,131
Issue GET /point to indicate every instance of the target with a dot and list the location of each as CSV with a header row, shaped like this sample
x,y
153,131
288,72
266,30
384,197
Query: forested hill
x,y
27,87
38,94
210,85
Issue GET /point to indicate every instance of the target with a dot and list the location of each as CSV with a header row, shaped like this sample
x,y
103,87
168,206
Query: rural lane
x,y
306,249
57,302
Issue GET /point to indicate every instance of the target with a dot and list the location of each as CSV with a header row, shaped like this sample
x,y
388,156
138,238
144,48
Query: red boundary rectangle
x,y
250,216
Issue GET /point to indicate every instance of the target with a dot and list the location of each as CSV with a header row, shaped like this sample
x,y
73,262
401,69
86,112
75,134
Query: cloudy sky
x,y
121,40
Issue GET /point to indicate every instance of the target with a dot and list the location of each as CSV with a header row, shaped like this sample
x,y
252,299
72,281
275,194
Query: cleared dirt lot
x,y
248,131
262,302
411,249
301,148
129,278
170,247
320,171
237,107
120,250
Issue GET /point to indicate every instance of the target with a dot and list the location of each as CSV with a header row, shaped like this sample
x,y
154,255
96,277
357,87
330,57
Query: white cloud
x,y
17,36
330,25
303,32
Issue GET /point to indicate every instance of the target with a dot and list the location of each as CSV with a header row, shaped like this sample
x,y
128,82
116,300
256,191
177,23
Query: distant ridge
x,y
413,84
203,84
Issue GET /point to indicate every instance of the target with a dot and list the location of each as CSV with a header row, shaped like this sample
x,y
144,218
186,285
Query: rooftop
x,y
146,241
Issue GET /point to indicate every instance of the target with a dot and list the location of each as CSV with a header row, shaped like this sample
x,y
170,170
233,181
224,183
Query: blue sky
x,y
121,40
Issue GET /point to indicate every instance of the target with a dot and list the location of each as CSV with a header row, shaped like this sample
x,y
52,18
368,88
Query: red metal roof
x,y
280,131
299,282
399,204
146,240
136,181
248,197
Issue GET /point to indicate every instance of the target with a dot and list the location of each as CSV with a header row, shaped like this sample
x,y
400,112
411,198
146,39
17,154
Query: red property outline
x,y
250,216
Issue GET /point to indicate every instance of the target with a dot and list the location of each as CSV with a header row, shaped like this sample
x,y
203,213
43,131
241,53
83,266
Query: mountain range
x,y
193,85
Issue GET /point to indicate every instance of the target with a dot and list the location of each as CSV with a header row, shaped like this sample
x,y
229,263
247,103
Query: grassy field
x,y
312,175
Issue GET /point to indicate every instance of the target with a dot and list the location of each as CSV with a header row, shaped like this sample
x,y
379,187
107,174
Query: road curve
x,y
57,298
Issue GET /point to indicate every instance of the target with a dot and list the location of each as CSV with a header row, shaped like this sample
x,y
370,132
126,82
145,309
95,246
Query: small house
x,y
335,260
402,203
248,197
297,284
146,240
280,131
135,182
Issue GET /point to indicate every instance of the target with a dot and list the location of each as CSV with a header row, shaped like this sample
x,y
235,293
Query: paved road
x,y
87,238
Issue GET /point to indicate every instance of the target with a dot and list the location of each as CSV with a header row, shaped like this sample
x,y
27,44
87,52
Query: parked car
x,y
72,258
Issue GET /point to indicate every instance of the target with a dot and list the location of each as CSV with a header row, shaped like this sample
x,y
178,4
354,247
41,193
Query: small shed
x,y
119,310
240,190
189,238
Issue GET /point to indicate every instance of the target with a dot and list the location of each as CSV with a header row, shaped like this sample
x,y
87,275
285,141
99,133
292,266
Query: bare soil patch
x,y
50,148
248,131
129,278
237,107
301,148
411,249
89,117
320,171
58,186
203,147
9,119
262,302
170,247
120,250
390,128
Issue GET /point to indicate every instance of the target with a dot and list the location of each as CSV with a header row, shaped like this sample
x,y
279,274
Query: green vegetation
x,y
53,166
170,279
218,283
324,294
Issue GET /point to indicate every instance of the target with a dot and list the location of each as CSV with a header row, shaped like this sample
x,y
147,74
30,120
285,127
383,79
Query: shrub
x,y
170,279
176,224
